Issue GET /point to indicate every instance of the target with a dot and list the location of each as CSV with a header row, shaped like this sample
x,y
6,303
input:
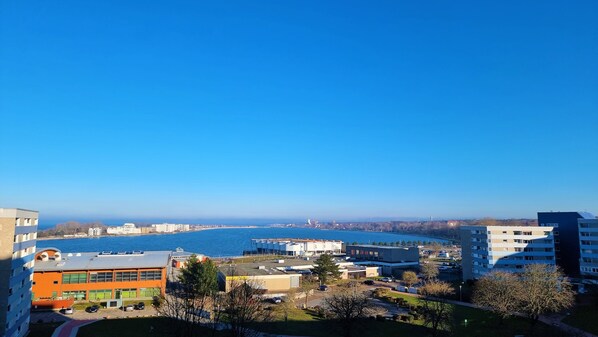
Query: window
x,y
128,293
100,294
149,292
74,278
78,295
124,276
151,275
100,277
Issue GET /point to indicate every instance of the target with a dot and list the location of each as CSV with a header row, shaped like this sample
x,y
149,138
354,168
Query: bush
x,y
380,292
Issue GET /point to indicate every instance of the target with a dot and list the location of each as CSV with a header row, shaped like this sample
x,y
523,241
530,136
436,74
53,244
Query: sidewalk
x,y
70,328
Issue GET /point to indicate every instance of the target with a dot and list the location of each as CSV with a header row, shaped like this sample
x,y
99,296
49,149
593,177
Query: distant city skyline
x,y
290,110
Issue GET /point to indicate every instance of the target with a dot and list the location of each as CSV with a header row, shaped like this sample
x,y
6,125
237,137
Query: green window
x,y
149,292
74,278
126,276
150,275
100,277
128,293
100,294
78,295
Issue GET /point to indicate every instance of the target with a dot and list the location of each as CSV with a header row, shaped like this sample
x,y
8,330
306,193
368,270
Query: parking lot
x,y
59,316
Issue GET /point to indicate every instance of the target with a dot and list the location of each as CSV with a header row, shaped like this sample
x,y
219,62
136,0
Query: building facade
x,y
99,276
588,243
507,248
126,229
170,228
391,260
296,247
18,234
566,237
94,231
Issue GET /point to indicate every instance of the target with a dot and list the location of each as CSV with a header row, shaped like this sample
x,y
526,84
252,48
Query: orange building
x,y
99,276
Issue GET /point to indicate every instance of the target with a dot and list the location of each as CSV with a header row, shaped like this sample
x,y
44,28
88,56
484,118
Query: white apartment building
x,y
128,228
170,228
588,249
18,234
95,231
296,247
508,248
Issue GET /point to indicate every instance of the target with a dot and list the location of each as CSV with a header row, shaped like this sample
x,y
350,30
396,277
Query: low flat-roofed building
x,y
270,277
296,247
391,260
99,275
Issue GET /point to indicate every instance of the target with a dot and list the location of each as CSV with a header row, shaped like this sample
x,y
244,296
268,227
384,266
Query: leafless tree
x,y
308,285
437,312
547,290
243,305
409,278
348,306
501,292
429,271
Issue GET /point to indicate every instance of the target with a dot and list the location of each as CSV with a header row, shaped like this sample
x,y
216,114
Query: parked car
x,y
93,309
323,287
276,300
140,306
368,282
386,279
129,307
69,311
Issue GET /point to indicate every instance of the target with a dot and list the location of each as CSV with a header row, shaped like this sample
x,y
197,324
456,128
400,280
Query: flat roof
x,y
101,261
382,247
297,240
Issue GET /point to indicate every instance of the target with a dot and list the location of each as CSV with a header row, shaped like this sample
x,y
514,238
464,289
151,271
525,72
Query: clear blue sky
x,y
224,109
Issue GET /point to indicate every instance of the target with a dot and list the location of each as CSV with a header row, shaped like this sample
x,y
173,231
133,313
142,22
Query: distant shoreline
x,y
140,234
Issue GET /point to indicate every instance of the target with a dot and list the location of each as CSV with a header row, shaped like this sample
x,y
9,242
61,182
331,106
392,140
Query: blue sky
x,y
293,109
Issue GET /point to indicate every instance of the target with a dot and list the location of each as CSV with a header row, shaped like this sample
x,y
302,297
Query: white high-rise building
x,y
588,249
18,234
170,227
508,248
94,231
127,228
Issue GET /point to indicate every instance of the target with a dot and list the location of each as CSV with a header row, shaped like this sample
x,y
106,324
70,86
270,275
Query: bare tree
x,y
437,312
547,290
191,297
409,278
288,304
308,284
429,271
243,306
348,306
499,291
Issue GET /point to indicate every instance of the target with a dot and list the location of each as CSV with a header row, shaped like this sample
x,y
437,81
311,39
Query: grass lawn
x,y
584,317
137,327
485,323
42,329
302,323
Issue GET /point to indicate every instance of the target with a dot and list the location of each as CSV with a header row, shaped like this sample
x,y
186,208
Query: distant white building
x,y
296,247
128,228
170,228
95,231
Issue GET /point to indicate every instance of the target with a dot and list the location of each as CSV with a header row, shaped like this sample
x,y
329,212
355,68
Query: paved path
x,y
70,328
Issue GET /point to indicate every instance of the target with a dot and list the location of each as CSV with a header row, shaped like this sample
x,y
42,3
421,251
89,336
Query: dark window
x,y
100,277
124,276
150,275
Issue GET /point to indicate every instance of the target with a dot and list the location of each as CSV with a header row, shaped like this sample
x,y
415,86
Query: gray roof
x,y
99,261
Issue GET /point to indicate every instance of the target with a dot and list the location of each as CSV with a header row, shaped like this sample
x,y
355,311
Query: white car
x,y
386,279
69,311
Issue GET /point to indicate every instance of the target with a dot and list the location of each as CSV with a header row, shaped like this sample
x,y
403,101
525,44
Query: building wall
x,y
384,254
49,284
18,234
588,238
507,248
566,235
270,283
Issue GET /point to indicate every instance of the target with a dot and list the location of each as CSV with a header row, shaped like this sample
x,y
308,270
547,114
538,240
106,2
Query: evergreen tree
x,y
326,268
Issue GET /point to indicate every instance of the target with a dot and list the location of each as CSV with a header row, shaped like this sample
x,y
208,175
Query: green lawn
x,y
42,329
486,324
584,317
137,327
302,323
